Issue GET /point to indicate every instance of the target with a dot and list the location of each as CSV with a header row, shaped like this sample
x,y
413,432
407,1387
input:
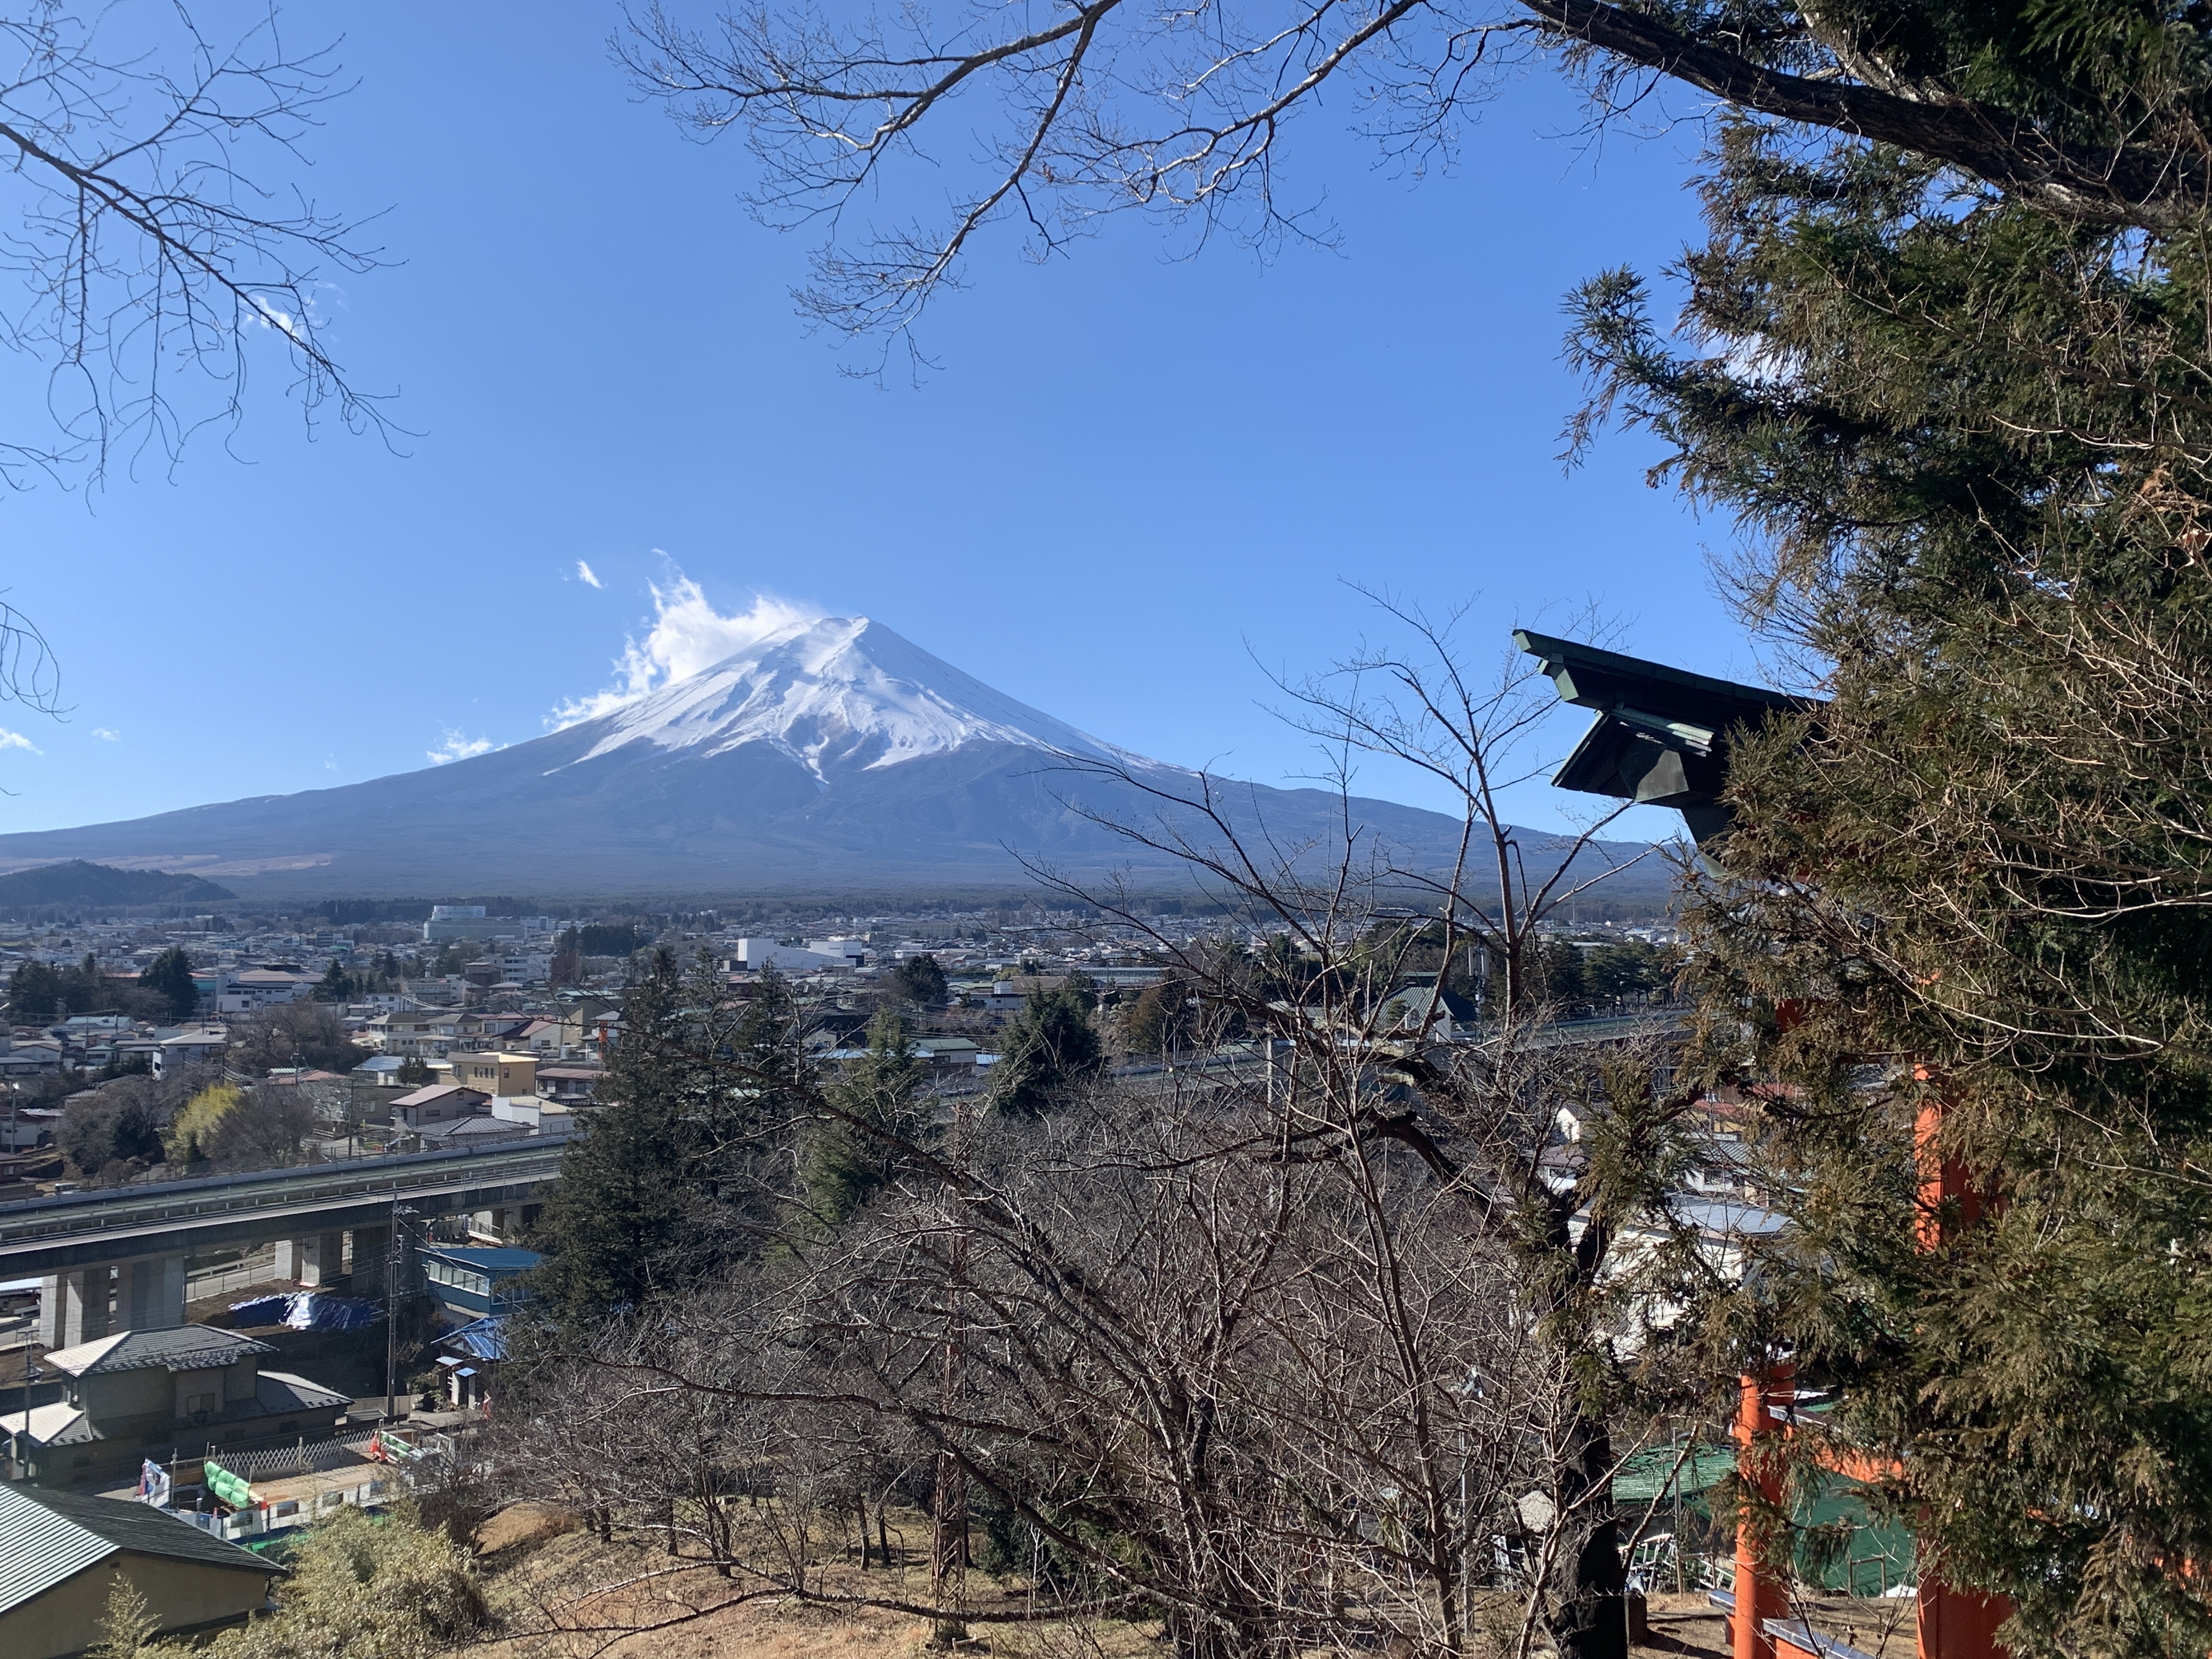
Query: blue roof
x,y
486,1259
481,1339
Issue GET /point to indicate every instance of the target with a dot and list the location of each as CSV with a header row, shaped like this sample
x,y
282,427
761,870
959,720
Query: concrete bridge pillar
x,y
73,1307
371,1248
315,1259
152,1293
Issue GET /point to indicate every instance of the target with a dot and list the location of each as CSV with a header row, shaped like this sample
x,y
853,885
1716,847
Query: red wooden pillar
x,y
1957,1624
1760,1596
1950,1623
1949,1198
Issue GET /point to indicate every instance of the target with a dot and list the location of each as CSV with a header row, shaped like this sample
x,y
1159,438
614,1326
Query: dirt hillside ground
x,y
563,1592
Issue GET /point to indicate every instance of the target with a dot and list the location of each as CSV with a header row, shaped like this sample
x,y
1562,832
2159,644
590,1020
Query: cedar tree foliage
x,y
686,1165
1969,443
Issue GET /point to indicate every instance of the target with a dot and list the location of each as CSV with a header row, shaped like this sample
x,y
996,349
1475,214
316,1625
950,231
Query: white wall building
x,y
755,954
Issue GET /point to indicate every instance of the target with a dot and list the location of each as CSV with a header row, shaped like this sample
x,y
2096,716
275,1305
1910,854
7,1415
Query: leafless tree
x,y
1324,1338
162,244
263,1131
286,1034
1055,119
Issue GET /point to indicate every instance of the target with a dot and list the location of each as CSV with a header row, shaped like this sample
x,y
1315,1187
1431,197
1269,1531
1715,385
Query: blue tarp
x,y
304,1310
261,1310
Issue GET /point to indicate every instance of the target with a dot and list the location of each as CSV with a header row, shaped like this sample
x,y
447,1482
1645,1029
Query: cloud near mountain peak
x,y
688,636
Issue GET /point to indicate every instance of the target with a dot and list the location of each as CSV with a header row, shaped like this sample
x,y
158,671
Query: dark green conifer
x,y
875,1120
1968,443
1050,1050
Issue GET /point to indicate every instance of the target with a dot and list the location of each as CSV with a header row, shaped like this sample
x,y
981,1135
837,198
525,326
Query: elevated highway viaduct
x,y
127,1247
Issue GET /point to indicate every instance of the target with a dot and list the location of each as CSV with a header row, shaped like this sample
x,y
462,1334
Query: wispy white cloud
x,y
587,575
17,740
106,734
688,636
458,746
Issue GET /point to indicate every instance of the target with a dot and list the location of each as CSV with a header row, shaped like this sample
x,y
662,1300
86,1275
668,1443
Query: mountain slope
x,y
831,756
92,885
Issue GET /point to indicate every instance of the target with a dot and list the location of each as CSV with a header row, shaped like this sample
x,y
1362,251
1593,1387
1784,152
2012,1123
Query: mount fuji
x,y
829,755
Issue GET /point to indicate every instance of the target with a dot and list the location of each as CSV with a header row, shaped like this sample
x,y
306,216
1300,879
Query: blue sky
x,y
1130,474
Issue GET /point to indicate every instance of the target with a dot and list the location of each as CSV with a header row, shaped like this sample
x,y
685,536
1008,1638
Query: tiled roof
x,y
281,1391
437,1091
57,1423
187,1348
477,1128
52,1536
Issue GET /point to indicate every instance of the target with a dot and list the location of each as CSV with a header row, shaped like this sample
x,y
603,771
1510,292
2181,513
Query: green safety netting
x,y
1639,1478
1839,1547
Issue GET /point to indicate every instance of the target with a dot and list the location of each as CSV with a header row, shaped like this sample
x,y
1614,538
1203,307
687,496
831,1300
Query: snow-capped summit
x,y
836,694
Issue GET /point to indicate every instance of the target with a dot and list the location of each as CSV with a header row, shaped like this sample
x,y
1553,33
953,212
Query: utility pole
x,y
391,1255
31,1373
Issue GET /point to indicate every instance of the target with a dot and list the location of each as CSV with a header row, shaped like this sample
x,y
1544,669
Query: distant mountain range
x,y
74,882
831,756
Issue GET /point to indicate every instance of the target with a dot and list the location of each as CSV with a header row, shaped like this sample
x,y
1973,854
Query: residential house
x,y
160,1394
948,1050
1007,996
436,1104
510,1081
23,1060
570,1085
23,1128
415,1033
481,1030
141,1049
179,1050
63,1555
470,1281
533,1036
87,1028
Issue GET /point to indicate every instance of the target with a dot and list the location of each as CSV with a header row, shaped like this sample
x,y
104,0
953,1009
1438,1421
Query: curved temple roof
x,y
1662,734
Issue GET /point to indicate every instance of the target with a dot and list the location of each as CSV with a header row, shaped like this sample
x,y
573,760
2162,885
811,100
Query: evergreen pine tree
x,y
170,974
676,1173
1968,441
1050,1049
919,979
858,1150
614,1218
33,992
